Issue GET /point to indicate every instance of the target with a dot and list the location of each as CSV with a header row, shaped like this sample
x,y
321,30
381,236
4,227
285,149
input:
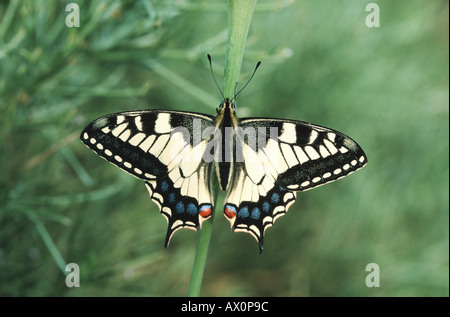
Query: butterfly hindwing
x,y
281,157
180,209
252,208
164,149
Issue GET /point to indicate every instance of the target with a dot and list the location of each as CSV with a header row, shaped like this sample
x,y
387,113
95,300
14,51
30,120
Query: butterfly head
x,y
227,106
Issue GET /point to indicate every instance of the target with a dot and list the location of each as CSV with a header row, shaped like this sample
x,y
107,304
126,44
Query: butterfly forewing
x,y
306,155
163,148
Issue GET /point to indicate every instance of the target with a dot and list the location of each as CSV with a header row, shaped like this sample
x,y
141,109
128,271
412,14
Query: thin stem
x,y
49,243
239,17
202,250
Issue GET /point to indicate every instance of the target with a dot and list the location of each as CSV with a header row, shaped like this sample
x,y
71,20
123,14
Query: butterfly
x,y
261,163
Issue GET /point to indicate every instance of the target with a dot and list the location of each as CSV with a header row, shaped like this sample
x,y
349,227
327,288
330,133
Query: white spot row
x,y
119,159
327,175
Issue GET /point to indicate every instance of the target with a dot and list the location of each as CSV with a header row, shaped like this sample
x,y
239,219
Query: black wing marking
x,y
163,148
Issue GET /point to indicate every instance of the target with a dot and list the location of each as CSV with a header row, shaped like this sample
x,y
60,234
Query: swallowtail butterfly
x,y
260,162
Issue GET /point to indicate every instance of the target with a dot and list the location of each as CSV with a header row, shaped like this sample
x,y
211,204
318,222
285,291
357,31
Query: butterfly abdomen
x,y
226,122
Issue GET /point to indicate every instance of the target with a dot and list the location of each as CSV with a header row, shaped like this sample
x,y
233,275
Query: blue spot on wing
x,y
179,208
164,186
192,209
171,198
275,198
243,212
265,206
255,213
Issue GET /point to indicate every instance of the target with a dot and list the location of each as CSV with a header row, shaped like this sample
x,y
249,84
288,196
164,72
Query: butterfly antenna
x,y
214,77
253,74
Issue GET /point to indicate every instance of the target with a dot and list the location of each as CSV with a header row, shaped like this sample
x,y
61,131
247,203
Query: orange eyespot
x,y
206,211
230,211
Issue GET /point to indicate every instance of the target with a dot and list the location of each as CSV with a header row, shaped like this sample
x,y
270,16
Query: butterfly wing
x,y
163,148
275,158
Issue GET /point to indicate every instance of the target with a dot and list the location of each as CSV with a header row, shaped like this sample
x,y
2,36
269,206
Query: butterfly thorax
x,y
226,123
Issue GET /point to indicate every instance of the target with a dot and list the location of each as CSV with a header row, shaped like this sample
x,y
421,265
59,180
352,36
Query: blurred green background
x,y
386,87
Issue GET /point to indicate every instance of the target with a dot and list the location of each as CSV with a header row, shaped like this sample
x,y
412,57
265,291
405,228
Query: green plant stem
x,y
239,17
48,241
202,251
